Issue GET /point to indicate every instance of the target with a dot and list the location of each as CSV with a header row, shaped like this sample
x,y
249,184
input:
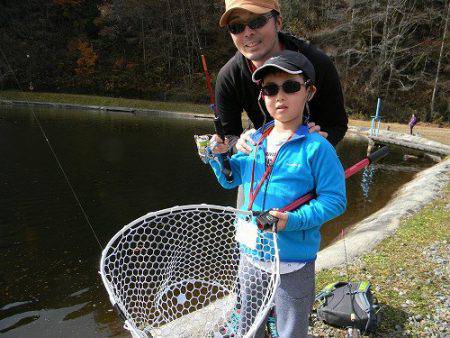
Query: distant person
x,y
286,163
255,28
412,123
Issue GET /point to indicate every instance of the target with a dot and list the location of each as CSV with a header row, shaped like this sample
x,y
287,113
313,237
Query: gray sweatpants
x,y
294,299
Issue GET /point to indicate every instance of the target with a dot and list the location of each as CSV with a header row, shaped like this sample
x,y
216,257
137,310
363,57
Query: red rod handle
x,y
349,172
357,167
208,83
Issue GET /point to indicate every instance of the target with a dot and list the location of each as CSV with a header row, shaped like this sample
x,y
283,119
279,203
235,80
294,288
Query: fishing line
x,y
351,294
55,156
195,27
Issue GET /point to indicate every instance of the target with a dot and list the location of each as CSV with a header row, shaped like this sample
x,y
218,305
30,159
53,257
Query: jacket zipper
x,y
267,184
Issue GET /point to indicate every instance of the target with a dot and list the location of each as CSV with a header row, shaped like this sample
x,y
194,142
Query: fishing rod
x,y
217,121
352,332
226,167
266,221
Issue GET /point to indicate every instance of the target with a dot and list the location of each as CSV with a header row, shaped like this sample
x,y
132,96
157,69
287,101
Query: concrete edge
x,y
365,235
409,141
135,111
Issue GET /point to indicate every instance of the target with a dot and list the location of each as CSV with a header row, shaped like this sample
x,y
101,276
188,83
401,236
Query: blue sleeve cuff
x,y
294,221
217,163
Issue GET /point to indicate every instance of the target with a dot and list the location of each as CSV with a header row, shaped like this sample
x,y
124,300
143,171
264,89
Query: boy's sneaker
x,y
231,327
272,326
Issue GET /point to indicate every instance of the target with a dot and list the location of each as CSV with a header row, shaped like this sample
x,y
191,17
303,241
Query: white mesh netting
x,y
179,272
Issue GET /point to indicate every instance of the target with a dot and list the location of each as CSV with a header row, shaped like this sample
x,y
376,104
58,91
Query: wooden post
x,y
370,146
376,118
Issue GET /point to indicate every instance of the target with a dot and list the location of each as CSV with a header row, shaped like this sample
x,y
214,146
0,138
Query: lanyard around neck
x,y
254,193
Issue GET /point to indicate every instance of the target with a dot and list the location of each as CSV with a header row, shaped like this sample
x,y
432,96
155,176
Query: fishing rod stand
x,y
352,332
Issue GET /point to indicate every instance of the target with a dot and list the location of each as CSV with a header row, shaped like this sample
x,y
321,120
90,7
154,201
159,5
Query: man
x,y
255,28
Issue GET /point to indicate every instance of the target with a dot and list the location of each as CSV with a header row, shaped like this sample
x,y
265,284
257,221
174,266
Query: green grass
x,y
104,101
401,270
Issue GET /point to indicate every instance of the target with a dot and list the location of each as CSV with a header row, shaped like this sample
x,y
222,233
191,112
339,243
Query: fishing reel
x,y
266,221
205,144
203,148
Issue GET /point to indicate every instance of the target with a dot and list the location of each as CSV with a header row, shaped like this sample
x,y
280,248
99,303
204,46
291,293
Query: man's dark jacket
x,y
236,92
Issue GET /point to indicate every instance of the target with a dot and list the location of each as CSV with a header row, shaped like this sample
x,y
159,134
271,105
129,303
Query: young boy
x,y
287,163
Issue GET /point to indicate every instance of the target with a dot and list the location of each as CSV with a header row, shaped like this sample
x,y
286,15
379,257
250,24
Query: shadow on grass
x,y
391,321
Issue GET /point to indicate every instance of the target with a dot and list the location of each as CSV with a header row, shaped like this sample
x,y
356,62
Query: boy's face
x,y
285,107
257,44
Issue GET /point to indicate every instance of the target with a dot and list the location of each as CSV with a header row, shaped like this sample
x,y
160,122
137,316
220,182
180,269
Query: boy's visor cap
x,y
287,61
254,6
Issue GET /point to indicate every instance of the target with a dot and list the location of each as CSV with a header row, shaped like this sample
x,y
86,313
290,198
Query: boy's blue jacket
x,y
307,162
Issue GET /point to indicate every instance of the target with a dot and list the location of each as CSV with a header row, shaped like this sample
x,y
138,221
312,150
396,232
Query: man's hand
x,y
313,128
245,141
218,145
282,219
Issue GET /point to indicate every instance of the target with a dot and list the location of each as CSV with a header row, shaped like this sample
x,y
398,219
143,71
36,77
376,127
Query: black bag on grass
x,y
339,300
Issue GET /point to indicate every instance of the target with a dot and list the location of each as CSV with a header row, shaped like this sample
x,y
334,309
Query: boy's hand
x,y
282,219
245,141
315,127
218,145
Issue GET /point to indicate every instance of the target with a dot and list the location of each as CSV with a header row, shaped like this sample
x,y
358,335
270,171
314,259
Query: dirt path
x,y
432,132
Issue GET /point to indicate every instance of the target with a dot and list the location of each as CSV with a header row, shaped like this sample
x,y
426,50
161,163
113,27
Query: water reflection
x,y
366,181
121,166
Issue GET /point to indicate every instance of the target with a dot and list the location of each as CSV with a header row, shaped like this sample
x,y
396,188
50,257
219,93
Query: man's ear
x,y
279,23
311,92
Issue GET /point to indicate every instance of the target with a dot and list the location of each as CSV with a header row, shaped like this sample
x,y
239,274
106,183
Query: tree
x,y
444,36
395,49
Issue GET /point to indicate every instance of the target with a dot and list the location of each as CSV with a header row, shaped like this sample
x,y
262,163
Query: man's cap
x,y
254,6
287,61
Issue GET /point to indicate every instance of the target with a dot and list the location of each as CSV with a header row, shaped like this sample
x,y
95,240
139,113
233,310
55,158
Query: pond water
x,y
121,166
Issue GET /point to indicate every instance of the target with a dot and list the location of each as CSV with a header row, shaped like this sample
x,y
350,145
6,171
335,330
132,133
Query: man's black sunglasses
x,y
260,21
289,87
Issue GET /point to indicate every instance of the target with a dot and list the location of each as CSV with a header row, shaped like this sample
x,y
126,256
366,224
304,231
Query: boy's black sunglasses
x,y
289,87
260,21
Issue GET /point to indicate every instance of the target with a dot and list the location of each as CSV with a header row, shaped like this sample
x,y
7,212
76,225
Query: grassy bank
x,y
429,131
410,275
104,101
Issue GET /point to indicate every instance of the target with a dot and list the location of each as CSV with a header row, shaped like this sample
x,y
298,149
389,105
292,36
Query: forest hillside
x,y
394,49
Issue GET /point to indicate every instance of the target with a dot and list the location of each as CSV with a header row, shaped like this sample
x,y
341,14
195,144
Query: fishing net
x,y
180,272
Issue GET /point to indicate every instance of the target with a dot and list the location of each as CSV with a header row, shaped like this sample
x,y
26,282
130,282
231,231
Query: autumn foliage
x,y
394,49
